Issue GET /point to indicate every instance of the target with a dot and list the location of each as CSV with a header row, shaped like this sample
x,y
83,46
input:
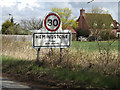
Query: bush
x,y
73,38
12,30
16,30
6,25
82,32
9,27
25,32
106,35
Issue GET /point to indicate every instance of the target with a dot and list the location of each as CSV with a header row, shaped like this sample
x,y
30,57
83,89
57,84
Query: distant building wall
x,y
19,37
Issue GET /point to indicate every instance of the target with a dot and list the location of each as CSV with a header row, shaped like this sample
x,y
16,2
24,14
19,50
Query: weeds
x,y
71,58
88,78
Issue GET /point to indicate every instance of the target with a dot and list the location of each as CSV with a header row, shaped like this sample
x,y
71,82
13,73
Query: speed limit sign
x,y
51,34
52,22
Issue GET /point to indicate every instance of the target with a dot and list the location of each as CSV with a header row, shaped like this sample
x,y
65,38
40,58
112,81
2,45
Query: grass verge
x,y
93,46
79,79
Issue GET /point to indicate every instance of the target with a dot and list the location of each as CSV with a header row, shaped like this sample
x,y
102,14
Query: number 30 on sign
x,y
52,22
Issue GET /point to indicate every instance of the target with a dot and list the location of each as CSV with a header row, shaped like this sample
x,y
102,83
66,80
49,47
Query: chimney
x,y
82,12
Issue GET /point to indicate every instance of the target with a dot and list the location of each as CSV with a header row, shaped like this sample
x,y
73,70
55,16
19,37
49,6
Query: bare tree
x,y
31,24
101,26
99,10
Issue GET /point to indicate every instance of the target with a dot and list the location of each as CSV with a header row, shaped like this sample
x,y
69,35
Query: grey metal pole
x,y
38,52
51,51
60,55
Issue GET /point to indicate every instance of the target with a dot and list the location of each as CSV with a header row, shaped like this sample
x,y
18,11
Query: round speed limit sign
x,y
52,22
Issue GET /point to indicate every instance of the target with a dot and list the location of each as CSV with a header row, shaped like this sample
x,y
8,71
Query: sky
x,y
27,9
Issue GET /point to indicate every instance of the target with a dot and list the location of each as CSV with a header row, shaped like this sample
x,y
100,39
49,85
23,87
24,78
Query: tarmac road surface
x,y
6,84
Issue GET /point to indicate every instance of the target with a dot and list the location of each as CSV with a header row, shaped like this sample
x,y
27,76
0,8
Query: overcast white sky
x,y
26,9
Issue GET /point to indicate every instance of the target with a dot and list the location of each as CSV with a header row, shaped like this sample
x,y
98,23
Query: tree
x,y
6,25
106,35
99,10
9,24
81,32
65,14
17,30
9,27
13,30
100,23
31,24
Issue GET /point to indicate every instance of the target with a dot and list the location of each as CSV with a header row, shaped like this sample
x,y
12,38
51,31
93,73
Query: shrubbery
x,y
6,25
82,32
9,27
106,35
16,30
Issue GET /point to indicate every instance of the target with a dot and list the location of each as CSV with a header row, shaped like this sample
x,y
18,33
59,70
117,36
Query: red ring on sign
x,y
46,19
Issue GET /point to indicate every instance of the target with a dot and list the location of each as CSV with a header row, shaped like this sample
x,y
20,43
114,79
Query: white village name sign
x,y
51,34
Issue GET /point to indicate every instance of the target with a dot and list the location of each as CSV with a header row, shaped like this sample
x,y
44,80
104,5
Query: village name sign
x,y
51,34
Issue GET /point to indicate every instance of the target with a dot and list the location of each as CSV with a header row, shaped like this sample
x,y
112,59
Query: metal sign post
x,y
51,35
60,55
38,53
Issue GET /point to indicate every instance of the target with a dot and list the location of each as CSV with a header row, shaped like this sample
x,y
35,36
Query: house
x,y
118,33
116,30
88,21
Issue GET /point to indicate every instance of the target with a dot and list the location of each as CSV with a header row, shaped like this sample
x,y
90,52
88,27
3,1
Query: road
x,y
12,85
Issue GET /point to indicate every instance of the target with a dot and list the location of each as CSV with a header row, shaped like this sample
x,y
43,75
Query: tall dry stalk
x,y
74,59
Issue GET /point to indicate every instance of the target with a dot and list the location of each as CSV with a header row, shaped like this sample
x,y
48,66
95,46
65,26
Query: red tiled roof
x,y
70,28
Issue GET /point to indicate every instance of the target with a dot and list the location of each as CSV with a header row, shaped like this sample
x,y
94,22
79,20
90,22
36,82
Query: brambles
x,y
78,67
72,58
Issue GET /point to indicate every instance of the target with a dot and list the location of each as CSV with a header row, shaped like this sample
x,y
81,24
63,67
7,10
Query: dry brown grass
x,y
17,49
71,58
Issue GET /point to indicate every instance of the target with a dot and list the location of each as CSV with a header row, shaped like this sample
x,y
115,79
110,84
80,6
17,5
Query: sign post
x,y
51,34
60,54
38,53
